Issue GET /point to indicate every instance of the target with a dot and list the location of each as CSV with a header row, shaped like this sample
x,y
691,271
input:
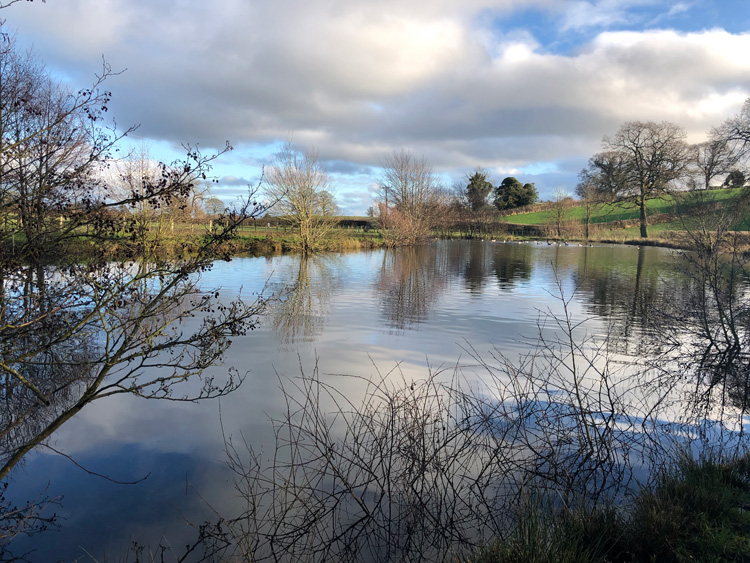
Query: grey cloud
x,y
354,202
335,77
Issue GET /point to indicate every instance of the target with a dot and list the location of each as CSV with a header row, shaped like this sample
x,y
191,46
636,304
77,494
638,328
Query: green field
x,y
623,211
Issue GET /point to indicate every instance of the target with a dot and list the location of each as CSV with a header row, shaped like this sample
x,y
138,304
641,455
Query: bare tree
x,y
713,158
7,3
76,332
651,157
737,129
47,132
561,203
606,173
735,133
591,196
409,189
213,206
134,174
299,186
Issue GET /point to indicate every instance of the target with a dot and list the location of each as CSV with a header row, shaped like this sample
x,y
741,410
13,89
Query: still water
x,y
351,314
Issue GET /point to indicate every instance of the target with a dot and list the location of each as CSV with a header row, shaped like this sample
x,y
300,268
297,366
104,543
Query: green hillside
x,y
679,205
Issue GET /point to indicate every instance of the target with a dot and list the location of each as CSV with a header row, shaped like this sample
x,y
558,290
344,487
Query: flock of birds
x,y
541,242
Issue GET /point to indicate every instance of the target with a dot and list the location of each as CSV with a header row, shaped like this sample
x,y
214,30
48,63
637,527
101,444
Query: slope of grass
x,y
610,212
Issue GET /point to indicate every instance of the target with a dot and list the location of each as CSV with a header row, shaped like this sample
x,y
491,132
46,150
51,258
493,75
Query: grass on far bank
x,y
620,211
184,242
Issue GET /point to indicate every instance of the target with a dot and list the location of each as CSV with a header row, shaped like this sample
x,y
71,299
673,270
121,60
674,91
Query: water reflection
x,y
512,263
610,282
393,306
477,265
409,282
705,330
626,290
43,373
45,365
304,307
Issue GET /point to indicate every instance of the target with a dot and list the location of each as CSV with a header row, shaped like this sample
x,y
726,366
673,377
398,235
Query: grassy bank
x,y
669,219
185,243
664,235
622,211
698,511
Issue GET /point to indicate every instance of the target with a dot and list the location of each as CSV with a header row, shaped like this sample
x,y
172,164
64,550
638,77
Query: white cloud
x,y
679,8
357,79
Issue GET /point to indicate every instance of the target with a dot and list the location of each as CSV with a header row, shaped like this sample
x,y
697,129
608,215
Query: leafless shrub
x,y
706,336
29,518
411,199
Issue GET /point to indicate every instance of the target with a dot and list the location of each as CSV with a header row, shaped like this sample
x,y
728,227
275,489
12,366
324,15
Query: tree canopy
x,y
478,190
735,179
511,194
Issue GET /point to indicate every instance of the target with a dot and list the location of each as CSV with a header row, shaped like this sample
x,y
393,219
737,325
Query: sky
x,y
523,88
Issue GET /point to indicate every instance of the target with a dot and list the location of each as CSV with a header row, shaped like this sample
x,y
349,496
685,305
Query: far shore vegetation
x,y
671,218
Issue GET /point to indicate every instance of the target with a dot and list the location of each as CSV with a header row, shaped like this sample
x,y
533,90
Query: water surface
x,y
356,314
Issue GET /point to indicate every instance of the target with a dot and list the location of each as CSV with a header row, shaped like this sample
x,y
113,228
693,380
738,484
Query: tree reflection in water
x,y
512,263
477,261
705,334
71,335
301,313
409,282
37,306
628,292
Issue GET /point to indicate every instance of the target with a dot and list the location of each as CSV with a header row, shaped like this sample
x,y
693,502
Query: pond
x,y
398,314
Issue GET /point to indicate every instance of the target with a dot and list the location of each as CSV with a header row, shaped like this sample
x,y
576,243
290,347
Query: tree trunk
x,y
644,219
